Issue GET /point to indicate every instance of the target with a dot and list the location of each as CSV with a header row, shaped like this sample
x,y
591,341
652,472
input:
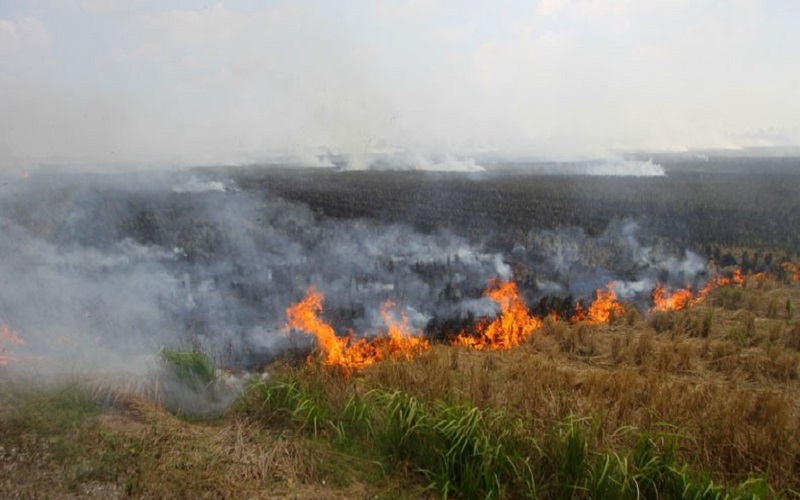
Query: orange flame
x,y
401,342
348,352
604,308
711,285
8,337
792,269
703,293
737,278
677,300
305,316
684,298
510,328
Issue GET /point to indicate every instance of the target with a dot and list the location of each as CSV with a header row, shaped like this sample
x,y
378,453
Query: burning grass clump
x,y
353,353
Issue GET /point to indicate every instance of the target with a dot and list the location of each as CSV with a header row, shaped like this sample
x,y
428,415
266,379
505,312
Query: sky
x,y
172,82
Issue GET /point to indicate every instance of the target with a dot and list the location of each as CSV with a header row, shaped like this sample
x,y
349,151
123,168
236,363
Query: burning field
x,y
382,341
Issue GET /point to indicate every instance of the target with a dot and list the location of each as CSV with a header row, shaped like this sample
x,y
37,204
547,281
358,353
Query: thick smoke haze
x,y
95,85
571,262
130,264
101,271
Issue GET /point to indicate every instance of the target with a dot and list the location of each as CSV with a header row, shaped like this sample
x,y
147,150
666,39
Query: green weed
x,y
194,368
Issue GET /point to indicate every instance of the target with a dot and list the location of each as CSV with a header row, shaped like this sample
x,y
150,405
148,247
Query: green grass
x,y
535,422
194,368
465,451
455,448
190,385
46,410
52,422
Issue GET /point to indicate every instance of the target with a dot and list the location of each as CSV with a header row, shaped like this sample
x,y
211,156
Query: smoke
x,y
101,271
84,306
309,158
403,160
400,159
195,185
633,168
571,262
105,270
616,167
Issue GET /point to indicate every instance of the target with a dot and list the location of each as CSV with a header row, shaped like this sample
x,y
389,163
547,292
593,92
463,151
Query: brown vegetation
x,y
726,380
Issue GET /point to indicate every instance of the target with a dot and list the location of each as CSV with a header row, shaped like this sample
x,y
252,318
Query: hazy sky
x,y
190,82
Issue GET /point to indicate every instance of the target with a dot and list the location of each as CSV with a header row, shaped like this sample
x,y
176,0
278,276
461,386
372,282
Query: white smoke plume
x,y
195,185
117,264
614,167
405,160
570,261
629,168
446,164
101,271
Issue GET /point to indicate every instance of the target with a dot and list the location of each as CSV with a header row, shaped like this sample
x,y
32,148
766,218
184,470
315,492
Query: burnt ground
x,y
727,205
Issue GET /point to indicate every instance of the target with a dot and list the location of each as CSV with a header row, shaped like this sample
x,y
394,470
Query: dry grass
x,y
137,448
83,440
726,379
235,456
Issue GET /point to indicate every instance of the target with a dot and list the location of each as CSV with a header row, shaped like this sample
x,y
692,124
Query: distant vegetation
x,y
716,209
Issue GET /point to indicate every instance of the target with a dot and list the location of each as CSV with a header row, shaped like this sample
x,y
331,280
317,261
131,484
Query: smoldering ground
x,y
101,271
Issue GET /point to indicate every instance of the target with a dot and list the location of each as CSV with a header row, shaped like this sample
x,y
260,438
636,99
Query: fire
x,y
684,298
737,278
791,269
510,328
305,316
401,342
602,310
7,337
719,281
349,353
677,300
